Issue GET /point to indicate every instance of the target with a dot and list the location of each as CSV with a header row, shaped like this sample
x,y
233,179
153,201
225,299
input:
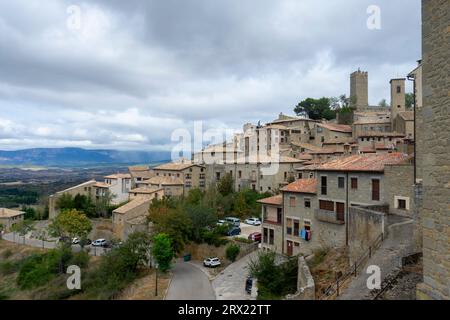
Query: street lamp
x,y
156,279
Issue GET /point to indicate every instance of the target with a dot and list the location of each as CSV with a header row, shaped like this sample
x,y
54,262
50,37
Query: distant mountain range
x,y
66,157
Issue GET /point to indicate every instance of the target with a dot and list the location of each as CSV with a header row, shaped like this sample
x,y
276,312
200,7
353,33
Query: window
x,y
291,201
202,176
326,205
271,236
307,203
289,226
307,224
354,183
240,174
399,89
285,175
217,175
279,215
341,182
324,185
375,190
402,204
265,235
300,175
296,228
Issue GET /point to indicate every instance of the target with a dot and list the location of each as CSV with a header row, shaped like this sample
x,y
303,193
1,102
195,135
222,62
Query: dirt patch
x,y
326,265
144,287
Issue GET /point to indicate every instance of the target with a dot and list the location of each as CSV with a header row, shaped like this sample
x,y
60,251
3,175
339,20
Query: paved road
x,y
230,283
189,283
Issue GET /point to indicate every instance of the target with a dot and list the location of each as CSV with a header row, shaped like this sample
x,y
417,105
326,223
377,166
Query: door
x,y
376,190
340,211
290,249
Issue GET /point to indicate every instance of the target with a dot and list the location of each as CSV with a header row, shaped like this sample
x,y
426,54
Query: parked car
x,y
249,285
99,243
234,231
255,236
211,262
75,241
233,221
253,221
221,222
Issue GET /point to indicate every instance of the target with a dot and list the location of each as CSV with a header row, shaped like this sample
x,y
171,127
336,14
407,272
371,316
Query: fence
x,y
334,290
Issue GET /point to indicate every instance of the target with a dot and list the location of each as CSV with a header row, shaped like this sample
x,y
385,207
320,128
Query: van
x,y
233,221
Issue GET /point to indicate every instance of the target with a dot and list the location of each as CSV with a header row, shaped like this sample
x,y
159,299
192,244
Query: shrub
x,y
8,253
80,259
243,240
232,252
8,267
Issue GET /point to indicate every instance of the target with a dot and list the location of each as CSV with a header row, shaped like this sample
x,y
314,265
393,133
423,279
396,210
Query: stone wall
x,y
399,185
305,283
365,226
434,141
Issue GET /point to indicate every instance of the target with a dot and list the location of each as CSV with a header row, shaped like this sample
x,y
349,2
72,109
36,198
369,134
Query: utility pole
x,y
156,280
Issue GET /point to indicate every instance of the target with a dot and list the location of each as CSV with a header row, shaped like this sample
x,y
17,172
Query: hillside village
x,y
357,183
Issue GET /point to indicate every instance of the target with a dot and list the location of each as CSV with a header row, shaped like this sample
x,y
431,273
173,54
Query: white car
x,y
99,243
75,241
253,221
211,262
221,222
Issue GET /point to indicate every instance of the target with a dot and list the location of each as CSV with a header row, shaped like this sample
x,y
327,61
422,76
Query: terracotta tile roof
x,y
328,150
306,146
341,140
275,200
102,185
159,180
9,213
373,121
138,168
336,127
364,162
407,115
266,159
176,166
133,204
302,186
145,190
304,156
86,184
119,176
380,134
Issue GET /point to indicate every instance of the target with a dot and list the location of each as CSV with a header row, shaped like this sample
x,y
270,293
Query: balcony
x,y
327,216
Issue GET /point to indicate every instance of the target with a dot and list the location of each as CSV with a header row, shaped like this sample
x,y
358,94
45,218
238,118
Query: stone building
x,y
272,223
433,147
192,175
9,218
359,93
126,214
119,185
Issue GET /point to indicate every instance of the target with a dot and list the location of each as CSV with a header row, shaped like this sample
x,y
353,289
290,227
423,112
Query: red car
x,y
255,236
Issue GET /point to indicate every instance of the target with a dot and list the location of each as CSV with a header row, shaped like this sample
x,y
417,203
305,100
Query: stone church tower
x,y
359,90
398,102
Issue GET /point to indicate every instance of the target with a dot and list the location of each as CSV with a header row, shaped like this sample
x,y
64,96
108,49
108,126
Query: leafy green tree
x,y
162,251
232,252
65,201
30,213
409,100
201,218
225,185
103,203
194,196
71,223
316,109
172,221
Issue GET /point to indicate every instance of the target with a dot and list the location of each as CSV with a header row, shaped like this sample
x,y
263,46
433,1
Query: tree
x,y
172,221
71,223
103,203
232,252
65,201
194,196
383,103
409,100
201,218
316,109
162,251
30,213
225,185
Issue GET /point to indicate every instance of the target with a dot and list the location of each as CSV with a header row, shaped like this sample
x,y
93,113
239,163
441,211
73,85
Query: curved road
x,y
189,283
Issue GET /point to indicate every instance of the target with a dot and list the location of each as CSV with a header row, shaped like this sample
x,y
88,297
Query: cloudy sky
x,y
124,74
